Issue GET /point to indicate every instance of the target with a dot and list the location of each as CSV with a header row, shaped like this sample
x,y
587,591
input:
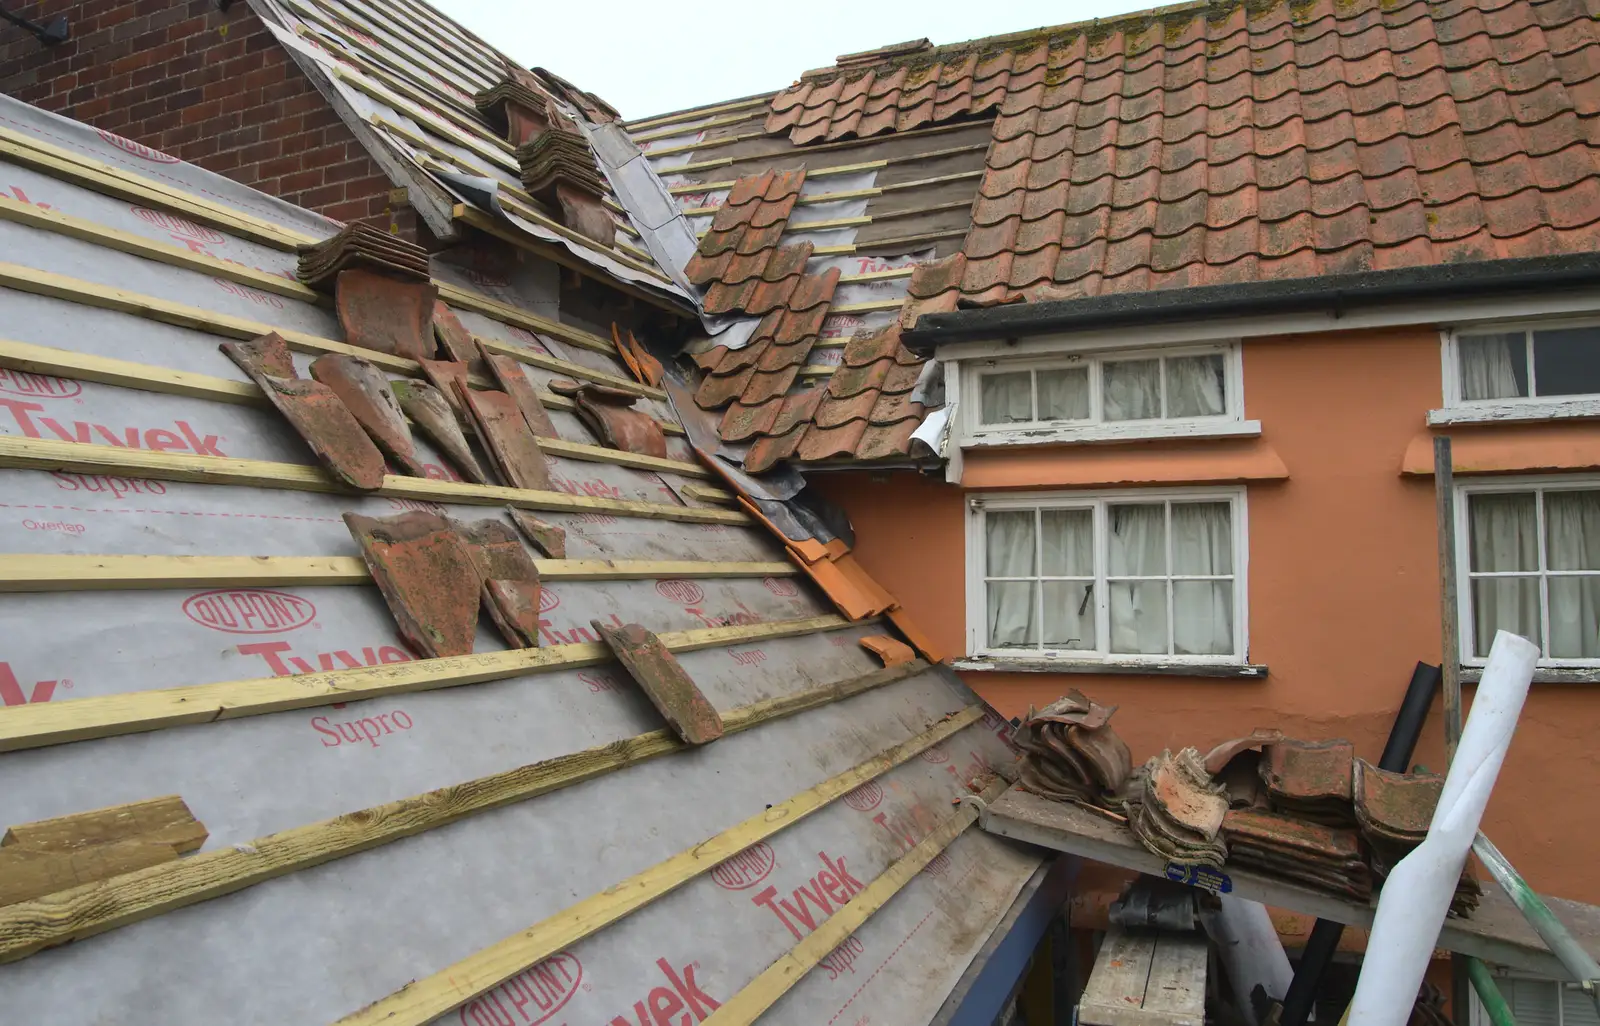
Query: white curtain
x,y
1005,398
1066,543
1202,611
1572,538
1504,537
1132,389
1194,386
1064,394
1138,548
1490,365
1009,552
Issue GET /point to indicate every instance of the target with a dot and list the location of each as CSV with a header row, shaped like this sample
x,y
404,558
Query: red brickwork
x,y
208,86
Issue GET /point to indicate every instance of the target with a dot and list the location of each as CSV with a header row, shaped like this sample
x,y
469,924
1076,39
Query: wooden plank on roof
x,y
490,148
756,997
114,181
77,457
30,927
662,119
455,295
85,230
668,133
107,297
575,370
21,573
424,1000
401,30
41,724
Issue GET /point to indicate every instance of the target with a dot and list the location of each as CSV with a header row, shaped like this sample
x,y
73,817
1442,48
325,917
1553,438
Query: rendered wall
x,y
1343,592
207,86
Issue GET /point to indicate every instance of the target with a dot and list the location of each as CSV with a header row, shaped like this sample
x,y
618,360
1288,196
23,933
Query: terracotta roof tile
x,y
739,259
741,422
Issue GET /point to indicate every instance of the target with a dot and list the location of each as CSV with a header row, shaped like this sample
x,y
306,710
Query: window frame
x,y
1539,484
979,504
1228,423
1460,410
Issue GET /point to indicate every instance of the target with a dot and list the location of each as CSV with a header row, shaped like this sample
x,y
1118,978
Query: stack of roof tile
x,y
1176,811
1325,857
1395,810
517,105
360,245
1070,753
555,157
1242,143
1310,780
743,237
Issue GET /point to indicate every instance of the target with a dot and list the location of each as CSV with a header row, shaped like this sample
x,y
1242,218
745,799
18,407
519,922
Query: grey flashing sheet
x,y
316,942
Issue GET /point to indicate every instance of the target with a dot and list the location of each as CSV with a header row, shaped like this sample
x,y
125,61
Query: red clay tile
x,y
852,381
879,443
717,391
830,443
834,412
742,422
767,452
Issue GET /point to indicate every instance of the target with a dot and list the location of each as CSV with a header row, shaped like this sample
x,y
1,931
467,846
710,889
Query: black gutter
x,y
1334,293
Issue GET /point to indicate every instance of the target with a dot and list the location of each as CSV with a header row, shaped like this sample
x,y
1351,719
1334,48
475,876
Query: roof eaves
x,y
1335,293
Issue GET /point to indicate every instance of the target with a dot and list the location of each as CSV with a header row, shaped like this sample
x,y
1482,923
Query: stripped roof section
x,y
1233,144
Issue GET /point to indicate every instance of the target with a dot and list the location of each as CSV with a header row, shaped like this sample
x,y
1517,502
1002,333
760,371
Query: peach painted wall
x,y
1343,594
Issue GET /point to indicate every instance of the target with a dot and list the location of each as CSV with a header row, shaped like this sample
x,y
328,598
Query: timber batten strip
x,y
166,311
78,457
107,180
146,377
30,927
760,994
41,724
576,370
137,245
23,572
426,999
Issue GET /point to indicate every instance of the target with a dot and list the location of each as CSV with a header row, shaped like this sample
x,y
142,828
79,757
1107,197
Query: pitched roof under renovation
x,y
1189,145
242,797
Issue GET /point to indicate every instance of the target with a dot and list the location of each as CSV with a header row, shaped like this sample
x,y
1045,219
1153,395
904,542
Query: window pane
x,y
1572,530
1575,617
1202,538
1010,546
1194,386
1533,1002
1139,617
1504,532
1138,543
1132,389
1005,398
1567,361
1494,366
1202,617
1507,604
1069,614
1064,394
1068,542
1011,614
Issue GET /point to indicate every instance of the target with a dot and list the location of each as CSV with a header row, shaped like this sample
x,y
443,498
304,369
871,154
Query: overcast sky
x,y
643,60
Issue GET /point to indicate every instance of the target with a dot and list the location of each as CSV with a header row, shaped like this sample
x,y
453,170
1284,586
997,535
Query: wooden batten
x,y
59,918
426,999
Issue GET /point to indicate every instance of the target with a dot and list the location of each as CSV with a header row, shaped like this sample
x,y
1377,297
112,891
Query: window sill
x,y
1544,675
1123,432
1527,409
995,664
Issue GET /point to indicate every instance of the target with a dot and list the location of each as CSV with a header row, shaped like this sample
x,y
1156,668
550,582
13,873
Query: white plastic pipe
x,y
1417,894
1251,951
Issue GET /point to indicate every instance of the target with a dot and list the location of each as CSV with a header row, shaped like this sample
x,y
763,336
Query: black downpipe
x,y
1324,939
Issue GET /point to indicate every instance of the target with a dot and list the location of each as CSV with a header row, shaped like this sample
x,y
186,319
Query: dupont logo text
x,y
139,150
180,226
249,611
37,386
548,600
529,998
780,587
745,869
685,593
866,797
